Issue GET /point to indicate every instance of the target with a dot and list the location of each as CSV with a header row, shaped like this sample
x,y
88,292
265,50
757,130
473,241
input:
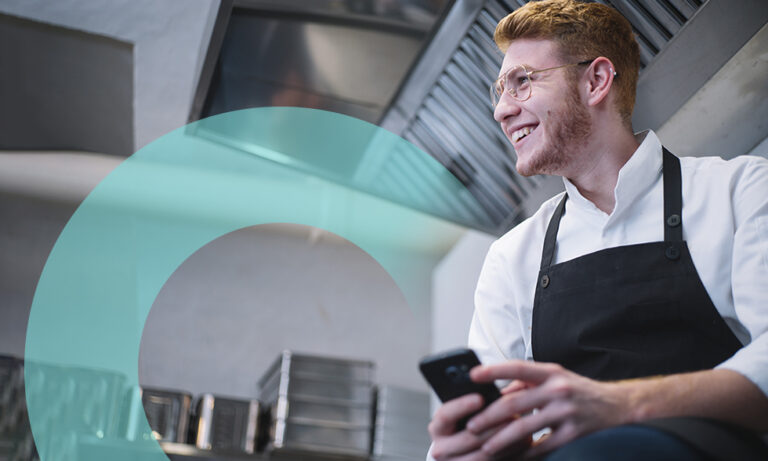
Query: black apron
x,y
635,311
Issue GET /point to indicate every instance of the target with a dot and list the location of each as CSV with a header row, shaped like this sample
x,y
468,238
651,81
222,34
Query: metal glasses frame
x,y
496,95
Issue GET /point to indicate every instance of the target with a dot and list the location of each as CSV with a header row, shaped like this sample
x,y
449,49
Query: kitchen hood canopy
x,y
439,102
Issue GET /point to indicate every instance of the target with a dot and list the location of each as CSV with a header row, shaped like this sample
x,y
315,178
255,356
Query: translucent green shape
x,y
158,207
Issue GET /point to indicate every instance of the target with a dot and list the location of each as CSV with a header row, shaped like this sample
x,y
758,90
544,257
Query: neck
x,y
596,176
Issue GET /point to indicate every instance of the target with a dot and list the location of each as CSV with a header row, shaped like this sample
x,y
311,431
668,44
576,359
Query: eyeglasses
x,y
517,82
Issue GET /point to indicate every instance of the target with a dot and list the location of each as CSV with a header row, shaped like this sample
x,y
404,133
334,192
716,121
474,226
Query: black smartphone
x,y
448,374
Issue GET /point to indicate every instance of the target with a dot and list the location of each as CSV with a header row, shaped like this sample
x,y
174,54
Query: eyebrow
x,y
524,64
527,66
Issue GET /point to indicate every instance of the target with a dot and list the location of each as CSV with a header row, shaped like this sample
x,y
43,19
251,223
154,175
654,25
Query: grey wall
x,y
168,38
28,229
761,149
38,194
229,310
453,287
236,303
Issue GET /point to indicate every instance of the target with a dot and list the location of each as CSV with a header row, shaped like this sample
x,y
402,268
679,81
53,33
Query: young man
x,y
630,313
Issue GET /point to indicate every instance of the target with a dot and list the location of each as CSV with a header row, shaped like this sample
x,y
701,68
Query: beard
x,y
566,132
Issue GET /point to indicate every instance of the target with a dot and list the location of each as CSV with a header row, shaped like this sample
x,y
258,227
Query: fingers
x,y
568,403
513,452
523,427
462,445
445,418
473,456
522,370
558,438
514,433
514,386
510,405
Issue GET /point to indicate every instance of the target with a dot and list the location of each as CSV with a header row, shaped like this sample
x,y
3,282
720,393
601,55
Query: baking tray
x,y
225,424
168,413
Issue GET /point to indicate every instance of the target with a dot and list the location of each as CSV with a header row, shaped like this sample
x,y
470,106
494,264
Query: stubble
x,y
567,130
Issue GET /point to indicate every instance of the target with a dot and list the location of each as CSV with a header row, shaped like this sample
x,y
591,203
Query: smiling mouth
x,y
521,133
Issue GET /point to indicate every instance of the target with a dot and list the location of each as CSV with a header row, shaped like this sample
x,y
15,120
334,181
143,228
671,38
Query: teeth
x,y
521,133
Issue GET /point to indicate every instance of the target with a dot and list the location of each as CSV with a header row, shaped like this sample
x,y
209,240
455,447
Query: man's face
x,y
556,121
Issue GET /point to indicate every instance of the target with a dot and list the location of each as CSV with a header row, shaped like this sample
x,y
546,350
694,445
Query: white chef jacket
x,y
725,222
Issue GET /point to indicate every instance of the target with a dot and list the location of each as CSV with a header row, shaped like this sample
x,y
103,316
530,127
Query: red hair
x,y
582,31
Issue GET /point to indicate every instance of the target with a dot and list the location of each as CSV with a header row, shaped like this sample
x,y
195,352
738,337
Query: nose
x,y
506,107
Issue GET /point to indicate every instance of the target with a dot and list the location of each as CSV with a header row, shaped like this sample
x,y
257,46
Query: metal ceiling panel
x,y
713,35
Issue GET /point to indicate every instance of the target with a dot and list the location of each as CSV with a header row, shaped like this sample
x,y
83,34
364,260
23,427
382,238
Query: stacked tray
x,y
16,443
402,416
11,388
87,399
167,413
225,424
319,405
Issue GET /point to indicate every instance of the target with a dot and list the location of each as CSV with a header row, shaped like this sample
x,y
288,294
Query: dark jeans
x,y
626,443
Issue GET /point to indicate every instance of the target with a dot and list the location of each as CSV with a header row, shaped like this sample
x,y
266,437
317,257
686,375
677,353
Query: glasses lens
x,y
497,89
516,82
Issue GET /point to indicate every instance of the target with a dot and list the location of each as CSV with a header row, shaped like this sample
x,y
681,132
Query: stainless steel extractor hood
x,y
440,103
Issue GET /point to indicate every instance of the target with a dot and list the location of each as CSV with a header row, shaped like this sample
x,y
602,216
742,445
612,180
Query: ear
x,y
599,80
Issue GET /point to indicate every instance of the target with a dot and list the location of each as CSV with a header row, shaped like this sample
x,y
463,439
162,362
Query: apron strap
x,y
550,238
673,212
673,198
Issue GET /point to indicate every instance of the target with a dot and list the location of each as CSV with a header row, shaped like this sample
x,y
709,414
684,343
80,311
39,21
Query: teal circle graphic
x,y
187,188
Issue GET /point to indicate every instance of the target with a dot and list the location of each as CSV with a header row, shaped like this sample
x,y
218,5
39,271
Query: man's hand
x,y
450,444
570,404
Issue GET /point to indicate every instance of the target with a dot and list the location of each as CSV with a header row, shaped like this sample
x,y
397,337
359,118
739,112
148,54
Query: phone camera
x,y
453,372
457,373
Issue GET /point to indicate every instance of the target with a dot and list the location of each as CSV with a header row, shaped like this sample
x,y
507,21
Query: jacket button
x,y
544,281
672,253
673,220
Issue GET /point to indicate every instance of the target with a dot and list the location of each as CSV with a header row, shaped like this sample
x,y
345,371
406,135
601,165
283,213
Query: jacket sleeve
x,y
749,274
